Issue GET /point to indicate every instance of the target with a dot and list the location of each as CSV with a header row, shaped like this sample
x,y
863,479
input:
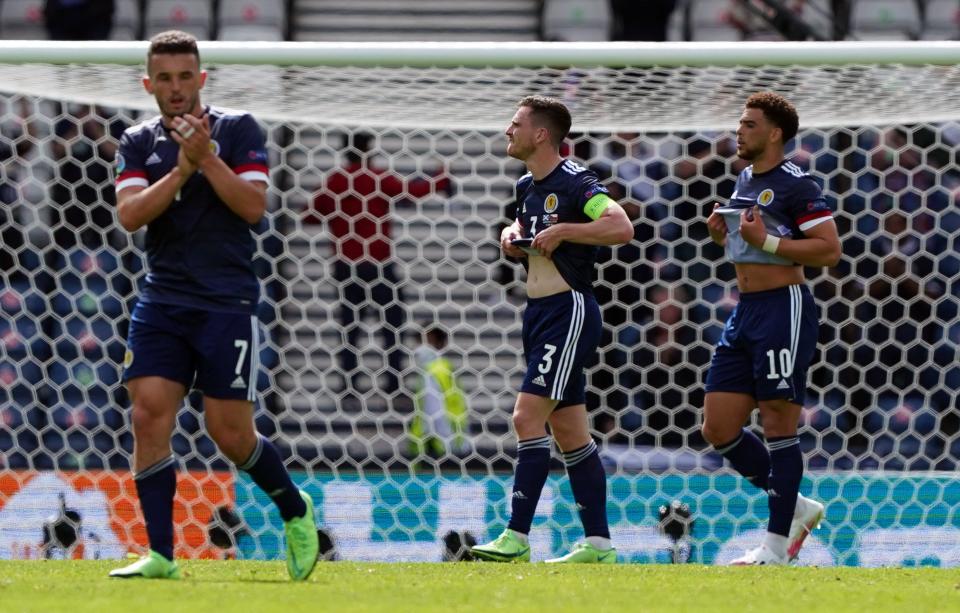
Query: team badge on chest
x,y
765,197
551,203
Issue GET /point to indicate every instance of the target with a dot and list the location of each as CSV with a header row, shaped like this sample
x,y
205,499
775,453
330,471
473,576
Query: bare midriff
x,y
543,278
761,277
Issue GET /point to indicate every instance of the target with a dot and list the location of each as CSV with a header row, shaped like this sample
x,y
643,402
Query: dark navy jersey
x,y
562,197
199,252
790,203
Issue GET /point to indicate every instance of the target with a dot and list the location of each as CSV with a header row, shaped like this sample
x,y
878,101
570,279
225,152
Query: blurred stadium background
x,y
880,429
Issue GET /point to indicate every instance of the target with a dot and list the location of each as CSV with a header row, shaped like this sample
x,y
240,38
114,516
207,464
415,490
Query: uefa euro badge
x,y
765,197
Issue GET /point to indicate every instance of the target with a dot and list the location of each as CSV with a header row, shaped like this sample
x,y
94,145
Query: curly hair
x,y
777,109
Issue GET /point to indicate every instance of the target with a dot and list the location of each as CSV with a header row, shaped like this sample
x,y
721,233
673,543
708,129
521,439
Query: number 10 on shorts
x,y
786,364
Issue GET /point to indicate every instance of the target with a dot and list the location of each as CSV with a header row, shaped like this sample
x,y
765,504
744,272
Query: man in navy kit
x,y
196,176
776,222
567,213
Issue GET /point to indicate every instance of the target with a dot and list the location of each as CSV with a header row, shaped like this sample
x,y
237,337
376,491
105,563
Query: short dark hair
x,y
551,113
777,109
436,335
356,145
173,42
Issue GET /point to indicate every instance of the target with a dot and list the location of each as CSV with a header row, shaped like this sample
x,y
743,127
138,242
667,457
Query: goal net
x,y
341,387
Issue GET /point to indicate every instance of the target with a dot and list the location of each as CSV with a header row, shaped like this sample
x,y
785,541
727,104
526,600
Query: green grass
x,y
262,587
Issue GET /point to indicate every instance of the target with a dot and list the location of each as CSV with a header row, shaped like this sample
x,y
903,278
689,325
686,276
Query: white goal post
x,y
880,126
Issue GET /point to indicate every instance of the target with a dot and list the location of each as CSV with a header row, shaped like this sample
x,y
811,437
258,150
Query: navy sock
x,y
267,470
749,457
156,487
786,470
589,483
533,464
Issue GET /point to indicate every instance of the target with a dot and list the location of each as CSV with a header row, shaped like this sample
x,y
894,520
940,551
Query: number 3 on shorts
x,y
547,362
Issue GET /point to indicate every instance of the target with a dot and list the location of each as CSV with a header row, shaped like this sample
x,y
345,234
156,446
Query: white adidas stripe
x,y
254,360
796,308
565,364
570,350
793,169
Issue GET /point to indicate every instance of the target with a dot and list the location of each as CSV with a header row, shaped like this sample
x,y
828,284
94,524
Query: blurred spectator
x,y
440,423
26,172
575,20
506,267
355,204
85,145
78,19
646,20
12,238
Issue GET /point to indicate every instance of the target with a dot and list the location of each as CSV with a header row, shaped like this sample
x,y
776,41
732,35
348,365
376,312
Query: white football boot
x,y
806,517
761,556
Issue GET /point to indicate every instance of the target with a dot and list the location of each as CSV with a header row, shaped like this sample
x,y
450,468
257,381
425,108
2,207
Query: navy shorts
x,y
767,345
214,352
560,337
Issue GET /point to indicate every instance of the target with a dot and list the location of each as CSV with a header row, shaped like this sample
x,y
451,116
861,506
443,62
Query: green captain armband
x,y
597,205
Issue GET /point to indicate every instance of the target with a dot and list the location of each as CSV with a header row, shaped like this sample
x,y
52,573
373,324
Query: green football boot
x,y
151,566
506,548
585,553
302,542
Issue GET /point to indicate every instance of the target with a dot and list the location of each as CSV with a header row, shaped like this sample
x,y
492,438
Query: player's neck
x,y
542,163
767,161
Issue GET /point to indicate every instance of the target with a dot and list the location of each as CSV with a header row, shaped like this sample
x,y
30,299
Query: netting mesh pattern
x,y
603,98
882,395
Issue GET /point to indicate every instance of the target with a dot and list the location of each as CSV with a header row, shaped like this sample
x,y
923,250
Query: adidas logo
x,y
773,493
153,159
783,385
539,381
519,495
580,507
238,382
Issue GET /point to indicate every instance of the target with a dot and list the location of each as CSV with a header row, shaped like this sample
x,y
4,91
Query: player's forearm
x,y
241,196
138,210
612,229
815,252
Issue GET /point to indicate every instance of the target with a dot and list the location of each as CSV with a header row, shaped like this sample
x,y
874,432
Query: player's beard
x,y
166,108
517,151
748,154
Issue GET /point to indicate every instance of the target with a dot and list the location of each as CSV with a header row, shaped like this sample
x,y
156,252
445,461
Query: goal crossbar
x,y
501,54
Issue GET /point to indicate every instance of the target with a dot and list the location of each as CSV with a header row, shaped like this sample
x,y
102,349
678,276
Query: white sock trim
x,y
776,543
600,542
520,536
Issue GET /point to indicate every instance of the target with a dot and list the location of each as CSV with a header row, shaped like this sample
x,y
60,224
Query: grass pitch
x,y
263,587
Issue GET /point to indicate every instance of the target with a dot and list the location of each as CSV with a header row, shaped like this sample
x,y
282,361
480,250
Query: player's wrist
x,y
183,172
770,244
205,161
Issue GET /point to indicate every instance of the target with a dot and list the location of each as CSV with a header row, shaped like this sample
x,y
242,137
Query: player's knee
x,y
148,417
527,425
707,433
779,417
715,435
235,443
